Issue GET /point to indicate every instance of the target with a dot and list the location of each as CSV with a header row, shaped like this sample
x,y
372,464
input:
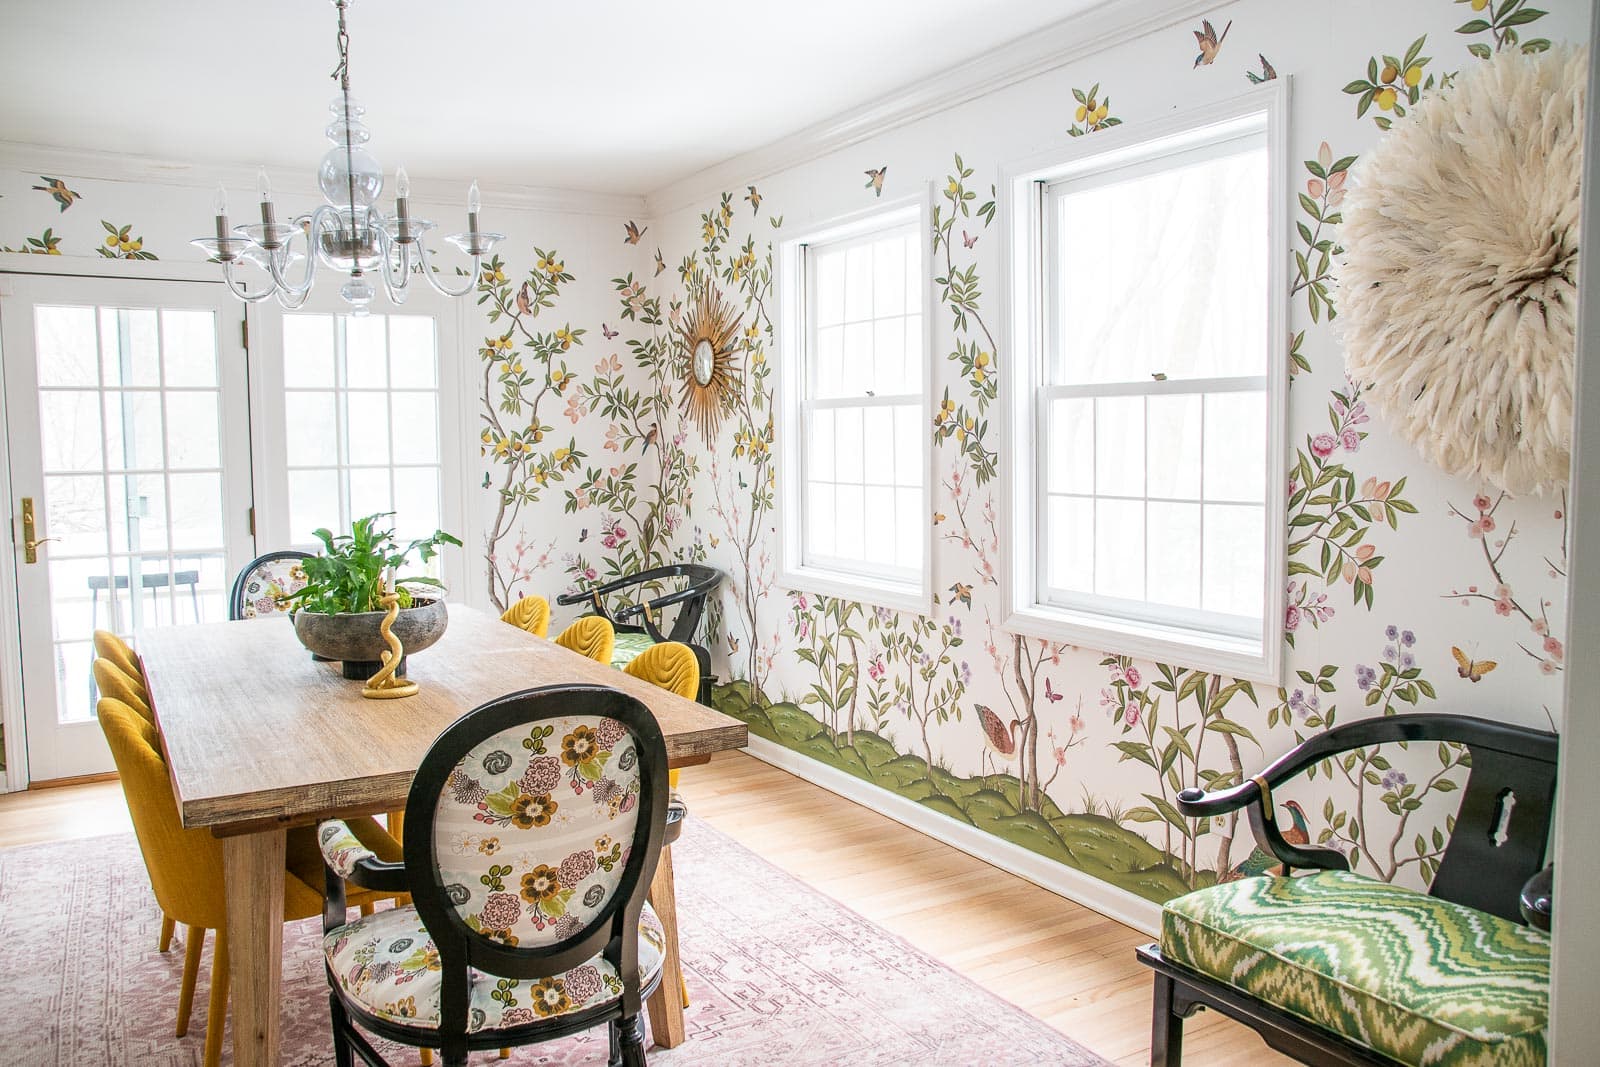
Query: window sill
x,y
897,596
1243,658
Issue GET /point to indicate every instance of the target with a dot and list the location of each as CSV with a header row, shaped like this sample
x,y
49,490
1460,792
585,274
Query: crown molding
x,y
1110,23
145,170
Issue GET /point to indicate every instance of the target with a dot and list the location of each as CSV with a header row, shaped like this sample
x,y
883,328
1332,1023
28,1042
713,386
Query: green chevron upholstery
x,y
1410,976
627,646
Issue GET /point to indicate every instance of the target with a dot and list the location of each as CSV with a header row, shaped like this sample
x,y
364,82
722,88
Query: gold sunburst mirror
x,y
709,333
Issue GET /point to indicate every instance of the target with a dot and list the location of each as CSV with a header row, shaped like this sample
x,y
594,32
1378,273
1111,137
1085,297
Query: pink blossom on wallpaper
x,y
1133,677
613,438
876,668
1323,444
608,365
575,409
1553,648
1350,439
1291,618
1108,700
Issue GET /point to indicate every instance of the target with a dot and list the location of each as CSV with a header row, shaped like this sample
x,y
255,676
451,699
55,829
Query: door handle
x,y
30,543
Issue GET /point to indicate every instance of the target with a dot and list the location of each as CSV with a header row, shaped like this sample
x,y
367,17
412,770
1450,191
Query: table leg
x,y
665,1005
253,877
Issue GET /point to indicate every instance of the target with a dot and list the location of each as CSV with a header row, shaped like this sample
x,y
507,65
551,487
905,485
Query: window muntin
x,y
864,465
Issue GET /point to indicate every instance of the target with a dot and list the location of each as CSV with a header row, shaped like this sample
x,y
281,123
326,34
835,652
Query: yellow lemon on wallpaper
x,y
1413,76
111,242
1388,74
1082,111
1100,113
1479,5
1385,99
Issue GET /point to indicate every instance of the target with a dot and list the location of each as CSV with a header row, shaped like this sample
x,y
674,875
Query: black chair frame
x,y
703,580
614,933
236,598
1496,851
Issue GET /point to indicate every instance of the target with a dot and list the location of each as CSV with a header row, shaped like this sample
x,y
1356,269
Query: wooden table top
x,y
256,733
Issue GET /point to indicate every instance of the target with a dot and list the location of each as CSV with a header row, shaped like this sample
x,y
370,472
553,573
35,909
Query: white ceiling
x,y
610,96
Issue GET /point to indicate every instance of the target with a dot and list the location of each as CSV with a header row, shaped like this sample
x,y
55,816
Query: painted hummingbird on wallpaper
x,y
661,264
1210,43
875,179
58,189
634,232
754,198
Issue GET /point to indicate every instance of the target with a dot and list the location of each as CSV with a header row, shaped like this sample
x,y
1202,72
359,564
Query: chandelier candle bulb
x,y
402,205
220,202
474,202
268,217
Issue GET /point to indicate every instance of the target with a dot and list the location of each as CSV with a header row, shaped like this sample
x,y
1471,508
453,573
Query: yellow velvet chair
x,y
590,636
531,613
185,866
108,645
673,667
114,682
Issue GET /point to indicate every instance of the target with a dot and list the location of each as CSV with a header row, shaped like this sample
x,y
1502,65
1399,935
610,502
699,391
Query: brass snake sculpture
x,y
384,685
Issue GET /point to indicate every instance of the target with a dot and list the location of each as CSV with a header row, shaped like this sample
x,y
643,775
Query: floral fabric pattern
x,y
534,827
389,965
342,850
269,583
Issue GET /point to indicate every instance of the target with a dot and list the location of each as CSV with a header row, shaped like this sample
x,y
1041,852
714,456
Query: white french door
x,y
127,428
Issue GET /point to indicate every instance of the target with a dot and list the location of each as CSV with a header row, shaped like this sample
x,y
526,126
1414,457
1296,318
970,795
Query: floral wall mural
x,y
1406,589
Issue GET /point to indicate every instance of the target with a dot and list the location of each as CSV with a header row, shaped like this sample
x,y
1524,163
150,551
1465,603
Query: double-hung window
x,y
853,405
1151,405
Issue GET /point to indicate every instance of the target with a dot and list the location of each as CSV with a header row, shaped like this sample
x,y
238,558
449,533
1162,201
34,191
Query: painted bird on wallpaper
x,y
525,299
661,264
58,189
634,233
1210,43
754,198
1267,72
875,179
1259,862
999,740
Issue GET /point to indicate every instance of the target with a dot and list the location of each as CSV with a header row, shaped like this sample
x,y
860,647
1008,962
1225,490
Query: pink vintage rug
x,y
779,974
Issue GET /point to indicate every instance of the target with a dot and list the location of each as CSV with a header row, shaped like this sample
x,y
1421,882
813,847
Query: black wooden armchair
x,y
545,934
1334,968
634,637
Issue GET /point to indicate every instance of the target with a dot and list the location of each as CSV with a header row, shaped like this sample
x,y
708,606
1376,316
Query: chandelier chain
x,y
342,73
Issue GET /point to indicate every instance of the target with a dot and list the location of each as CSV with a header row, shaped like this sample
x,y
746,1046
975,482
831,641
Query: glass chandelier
x,y
347,234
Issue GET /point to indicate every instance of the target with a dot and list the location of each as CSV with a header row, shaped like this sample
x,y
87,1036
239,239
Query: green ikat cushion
x,y
627,646
1410,976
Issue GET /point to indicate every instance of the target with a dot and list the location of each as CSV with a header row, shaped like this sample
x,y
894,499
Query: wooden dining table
x,y
259,738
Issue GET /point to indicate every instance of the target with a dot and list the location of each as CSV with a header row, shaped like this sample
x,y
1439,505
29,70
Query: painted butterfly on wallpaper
x,y
754,198
733,644
661,264
607,332
968,239
938,517
1473,670
583,536
962,592
1050,693
875,179
634,233
486,479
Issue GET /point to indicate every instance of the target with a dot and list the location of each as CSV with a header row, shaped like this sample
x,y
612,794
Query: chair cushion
x,y
627,646
1410,976
266,584
387,964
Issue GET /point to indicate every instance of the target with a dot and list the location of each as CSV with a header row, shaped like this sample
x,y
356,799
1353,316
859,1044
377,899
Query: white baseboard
x,y
1119,904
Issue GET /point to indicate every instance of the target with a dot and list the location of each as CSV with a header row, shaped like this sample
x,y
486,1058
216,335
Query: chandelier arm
x,y
428,273
276,266
290,302
393,284
238,289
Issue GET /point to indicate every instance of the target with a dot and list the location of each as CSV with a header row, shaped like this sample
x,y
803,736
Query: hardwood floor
x,y
1068,965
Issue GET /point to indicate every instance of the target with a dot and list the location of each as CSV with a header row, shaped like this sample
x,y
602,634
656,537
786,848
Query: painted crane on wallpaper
x,y
999,739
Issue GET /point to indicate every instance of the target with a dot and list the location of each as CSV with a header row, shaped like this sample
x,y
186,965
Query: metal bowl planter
x,y
354,640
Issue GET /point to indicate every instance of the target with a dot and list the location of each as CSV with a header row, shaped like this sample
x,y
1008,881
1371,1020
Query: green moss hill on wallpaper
x,y
1406,589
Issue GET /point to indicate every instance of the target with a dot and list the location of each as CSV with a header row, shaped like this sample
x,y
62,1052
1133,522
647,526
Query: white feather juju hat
x,y
1459,285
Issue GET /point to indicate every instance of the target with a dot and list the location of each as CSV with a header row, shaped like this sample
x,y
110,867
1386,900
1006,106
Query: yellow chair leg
x,y
168,924
366,909
427,1056
672,778
217,1014
192,946
505,1054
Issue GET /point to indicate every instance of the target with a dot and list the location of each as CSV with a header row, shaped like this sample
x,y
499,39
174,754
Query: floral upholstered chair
x,y
533,829
262,585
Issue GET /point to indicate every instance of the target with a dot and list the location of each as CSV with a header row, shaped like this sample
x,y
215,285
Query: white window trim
x,y
1024,266
790,270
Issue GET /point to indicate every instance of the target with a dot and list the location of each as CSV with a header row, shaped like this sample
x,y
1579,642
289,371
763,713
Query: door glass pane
x,y
362,421
127,397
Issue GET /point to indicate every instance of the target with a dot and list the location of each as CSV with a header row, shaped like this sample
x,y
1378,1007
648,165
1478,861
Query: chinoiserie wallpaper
x,y
1407,589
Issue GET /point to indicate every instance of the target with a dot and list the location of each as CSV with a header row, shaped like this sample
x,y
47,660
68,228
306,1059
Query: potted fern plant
x,y
337,613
